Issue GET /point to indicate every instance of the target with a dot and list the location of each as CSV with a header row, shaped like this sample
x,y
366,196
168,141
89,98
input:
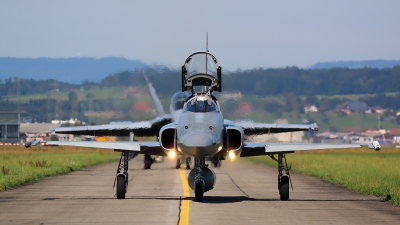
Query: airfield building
x,y
9,127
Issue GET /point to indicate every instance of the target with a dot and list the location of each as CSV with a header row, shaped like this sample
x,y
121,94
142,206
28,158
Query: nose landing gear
x,y
199,184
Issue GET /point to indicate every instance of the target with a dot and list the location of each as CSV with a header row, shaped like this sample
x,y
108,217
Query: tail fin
x,y
156,100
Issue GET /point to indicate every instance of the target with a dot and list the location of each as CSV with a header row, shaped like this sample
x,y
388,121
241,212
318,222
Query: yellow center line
x,y
184,215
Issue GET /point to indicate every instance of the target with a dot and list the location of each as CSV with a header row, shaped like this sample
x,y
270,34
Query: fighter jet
x,y
202,132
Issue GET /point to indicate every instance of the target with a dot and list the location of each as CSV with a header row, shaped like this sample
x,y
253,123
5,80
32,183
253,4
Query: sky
x,y
242,34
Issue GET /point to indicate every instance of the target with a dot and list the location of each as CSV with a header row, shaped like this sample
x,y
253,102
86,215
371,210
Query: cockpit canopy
x,y
201,63
200,104
201,69
179,99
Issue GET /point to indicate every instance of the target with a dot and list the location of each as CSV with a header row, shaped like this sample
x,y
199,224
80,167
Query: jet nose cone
x,y
197,140
198,145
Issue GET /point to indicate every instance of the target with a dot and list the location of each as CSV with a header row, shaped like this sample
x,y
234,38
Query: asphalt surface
x,y
245,193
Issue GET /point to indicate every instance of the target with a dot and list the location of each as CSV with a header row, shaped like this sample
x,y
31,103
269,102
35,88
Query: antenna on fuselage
x,y
207,42
204,88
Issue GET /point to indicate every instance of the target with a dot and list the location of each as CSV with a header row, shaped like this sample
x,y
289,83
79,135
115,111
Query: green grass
x,y
363,171
19,165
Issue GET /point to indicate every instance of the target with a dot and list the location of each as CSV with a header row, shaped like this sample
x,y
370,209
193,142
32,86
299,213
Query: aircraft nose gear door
x,y
201,69
198,180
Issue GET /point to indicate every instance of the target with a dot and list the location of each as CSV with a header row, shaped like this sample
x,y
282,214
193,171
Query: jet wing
x,y
255,149
150,148
252,128
140,129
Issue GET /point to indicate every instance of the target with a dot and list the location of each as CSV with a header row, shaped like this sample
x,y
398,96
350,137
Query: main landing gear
x,y
121,179
283,181
180,160
216,161
148,161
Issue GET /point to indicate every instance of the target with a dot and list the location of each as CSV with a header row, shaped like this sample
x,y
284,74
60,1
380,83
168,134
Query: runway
x,y
245,193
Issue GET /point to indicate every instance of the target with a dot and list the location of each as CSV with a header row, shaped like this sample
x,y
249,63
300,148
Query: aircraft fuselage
x,y
200,134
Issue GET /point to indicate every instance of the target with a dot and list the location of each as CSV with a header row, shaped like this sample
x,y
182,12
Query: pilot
x,y
201,104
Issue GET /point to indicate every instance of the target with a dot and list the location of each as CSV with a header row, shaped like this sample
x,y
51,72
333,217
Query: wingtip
x,y
374,145
28,144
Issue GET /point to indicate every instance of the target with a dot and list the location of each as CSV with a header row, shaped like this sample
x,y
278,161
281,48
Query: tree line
x,y
9,86
295,85
259,81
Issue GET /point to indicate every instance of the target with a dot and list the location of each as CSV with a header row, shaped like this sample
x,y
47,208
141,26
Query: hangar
x,y
9,126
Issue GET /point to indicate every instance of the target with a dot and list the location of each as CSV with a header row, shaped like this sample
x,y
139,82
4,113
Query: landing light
x,y
232,154
220,147
172,154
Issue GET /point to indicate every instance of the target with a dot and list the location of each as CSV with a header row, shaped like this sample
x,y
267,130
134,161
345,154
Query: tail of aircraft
x,y
156,100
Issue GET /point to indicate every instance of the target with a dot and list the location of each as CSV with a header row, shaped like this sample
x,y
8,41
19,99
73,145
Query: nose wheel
x,y
199,191
199,183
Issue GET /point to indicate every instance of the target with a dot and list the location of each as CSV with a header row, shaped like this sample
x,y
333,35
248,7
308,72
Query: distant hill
x,y
71,70
380,64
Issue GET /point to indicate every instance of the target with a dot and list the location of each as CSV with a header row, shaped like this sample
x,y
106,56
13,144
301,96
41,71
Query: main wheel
x,y
198,192
178,164
148,161
284,190
147,164
121,189
188,161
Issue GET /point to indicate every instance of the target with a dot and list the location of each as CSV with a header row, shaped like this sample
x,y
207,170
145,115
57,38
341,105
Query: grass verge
x,y
19,165
362,171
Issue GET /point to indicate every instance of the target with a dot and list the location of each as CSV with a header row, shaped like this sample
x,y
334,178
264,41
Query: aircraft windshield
x,y
201,63
178,100
201,104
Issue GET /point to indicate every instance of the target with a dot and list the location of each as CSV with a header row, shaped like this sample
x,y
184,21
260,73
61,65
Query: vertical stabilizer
x,y
156,100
